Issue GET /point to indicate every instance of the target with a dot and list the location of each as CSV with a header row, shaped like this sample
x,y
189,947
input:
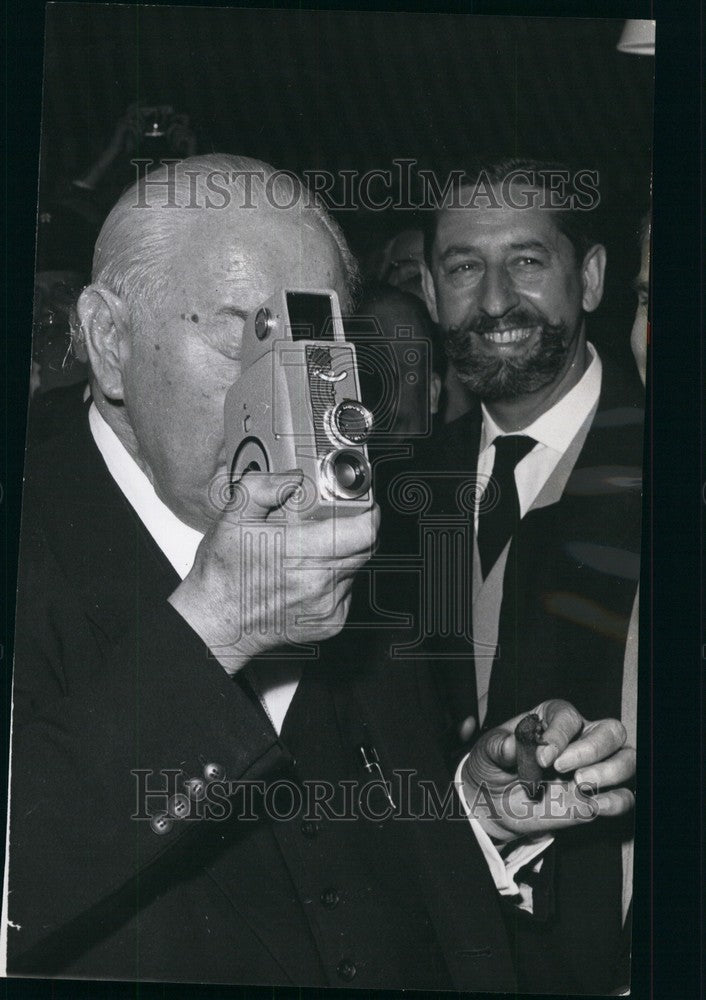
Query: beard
x,y
495,378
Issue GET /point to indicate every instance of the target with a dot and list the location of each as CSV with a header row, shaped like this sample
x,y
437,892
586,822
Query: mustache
x,y
482,323
507,378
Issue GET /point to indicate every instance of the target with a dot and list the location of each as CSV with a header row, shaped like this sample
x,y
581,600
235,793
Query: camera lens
x,y
346,474
349,473
349,422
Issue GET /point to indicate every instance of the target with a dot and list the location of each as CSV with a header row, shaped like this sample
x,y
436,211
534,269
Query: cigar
x,y
528,735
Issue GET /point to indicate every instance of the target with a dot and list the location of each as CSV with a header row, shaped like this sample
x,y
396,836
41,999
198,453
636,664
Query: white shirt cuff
x,y
503,870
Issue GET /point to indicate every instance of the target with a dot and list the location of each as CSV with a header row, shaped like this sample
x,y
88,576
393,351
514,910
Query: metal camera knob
x,y
348,422
263,323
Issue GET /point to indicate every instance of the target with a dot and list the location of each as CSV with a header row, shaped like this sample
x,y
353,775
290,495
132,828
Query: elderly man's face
x,y
510,295
186,355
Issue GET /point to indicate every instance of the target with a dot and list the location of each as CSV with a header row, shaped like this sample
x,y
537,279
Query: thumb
x,y
256,494
500,748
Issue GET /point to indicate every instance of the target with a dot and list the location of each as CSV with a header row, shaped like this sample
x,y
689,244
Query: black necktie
x,y
499,509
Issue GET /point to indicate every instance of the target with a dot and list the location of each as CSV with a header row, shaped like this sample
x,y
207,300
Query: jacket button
x,y
179,806
346,969
161,823
310,828
330,898
195,788
214,772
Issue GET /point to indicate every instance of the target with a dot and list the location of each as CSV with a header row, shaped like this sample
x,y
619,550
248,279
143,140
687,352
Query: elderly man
x,y
159,672
555,446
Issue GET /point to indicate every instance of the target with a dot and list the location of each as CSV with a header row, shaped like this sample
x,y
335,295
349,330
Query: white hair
x,y
136,238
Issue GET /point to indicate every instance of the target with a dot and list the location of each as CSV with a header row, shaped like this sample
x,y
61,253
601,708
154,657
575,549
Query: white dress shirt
x,y
554,431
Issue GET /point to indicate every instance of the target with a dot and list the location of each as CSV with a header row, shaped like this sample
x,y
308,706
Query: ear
x,y
434,393
104,324
429,292
592,276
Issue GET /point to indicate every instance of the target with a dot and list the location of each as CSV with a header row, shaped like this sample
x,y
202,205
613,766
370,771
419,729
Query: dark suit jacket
x,y
570,582
109,679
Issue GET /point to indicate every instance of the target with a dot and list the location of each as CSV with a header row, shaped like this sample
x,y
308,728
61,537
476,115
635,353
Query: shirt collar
x,y
558,426
178,541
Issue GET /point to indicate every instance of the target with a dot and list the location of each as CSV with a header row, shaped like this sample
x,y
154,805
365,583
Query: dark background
x,y
353,91
341,89
520,85
338,91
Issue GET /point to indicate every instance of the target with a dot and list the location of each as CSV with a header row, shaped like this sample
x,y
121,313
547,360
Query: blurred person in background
x,y
401,364
401,382
72,215
640,333
404,258
400,265
59,372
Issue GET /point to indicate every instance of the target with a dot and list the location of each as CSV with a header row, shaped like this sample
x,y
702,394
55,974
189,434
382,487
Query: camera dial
x,y
348,422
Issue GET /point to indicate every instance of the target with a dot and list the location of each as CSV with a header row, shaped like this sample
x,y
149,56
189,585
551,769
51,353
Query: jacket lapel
x,y
99,541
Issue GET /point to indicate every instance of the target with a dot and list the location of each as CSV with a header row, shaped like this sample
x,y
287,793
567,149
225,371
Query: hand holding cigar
x,y
528,735
553,744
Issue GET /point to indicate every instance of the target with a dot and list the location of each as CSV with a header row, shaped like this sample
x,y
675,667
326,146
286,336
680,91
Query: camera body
x,y
297,404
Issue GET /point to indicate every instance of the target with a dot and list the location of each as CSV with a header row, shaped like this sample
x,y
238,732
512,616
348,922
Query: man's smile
x,y
511,341
514,335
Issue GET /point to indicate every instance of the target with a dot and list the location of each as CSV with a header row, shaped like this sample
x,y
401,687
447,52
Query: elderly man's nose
x,y
497,294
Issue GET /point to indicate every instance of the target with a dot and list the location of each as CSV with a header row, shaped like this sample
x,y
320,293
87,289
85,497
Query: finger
x,y
563,723
562,805
346,537
599,741
617,802
501,749
255,494
616,770
361,528
491,759
340,568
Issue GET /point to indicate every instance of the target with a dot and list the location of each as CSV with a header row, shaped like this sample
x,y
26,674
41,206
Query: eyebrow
x,y
233,311
641,286
457,249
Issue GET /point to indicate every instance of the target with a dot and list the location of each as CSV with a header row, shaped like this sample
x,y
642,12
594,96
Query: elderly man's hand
x,y
264,577
587,764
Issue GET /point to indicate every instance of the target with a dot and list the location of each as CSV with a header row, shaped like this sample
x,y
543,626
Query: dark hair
x,y
579,224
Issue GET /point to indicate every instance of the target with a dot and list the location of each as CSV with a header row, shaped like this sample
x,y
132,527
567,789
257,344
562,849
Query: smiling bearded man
x,y
511,285
553,450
